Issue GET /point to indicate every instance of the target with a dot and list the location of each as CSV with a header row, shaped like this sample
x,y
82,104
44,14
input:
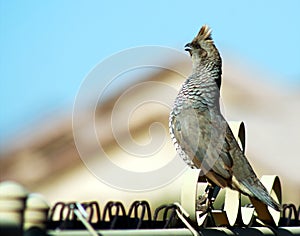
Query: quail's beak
x,y
188,47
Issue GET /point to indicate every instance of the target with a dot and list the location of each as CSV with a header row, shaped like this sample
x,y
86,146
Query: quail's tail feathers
x,y
260,192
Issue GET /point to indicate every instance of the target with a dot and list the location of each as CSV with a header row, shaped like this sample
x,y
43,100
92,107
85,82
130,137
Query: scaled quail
x,y
199,131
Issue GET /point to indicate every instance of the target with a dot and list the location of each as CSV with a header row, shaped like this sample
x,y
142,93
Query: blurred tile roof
x,y
46,159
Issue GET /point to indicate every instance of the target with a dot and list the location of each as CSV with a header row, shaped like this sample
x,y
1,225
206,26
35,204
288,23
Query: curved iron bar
x,y
145,208
119,207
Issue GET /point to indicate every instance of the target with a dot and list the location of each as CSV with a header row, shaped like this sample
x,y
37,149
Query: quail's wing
x,y
205,137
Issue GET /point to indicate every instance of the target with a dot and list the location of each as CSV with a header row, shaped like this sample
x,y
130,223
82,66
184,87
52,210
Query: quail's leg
x,y
205,201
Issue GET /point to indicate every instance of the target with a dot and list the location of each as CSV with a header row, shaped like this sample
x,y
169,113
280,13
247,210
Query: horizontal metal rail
x,y
252,231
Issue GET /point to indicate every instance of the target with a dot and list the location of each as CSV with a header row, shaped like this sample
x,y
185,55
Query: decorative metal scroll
x,y
230,207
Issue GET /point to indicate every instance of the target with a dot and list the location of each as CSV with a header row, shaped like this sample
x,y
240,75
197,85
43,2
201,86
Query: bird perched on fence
x,y
201,134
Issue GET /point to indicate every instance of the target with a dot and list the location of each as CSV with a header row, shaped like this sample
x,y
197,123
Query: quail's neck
x,y
207,73
206,68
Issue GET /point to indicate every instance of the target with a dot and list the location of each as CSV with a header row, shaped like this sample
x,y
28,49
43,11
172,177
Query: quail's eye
x,y
197,46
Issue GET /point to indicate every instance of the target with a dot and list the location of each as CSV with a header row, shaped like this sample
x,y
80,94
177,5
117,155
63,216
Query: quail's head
x,y
202,49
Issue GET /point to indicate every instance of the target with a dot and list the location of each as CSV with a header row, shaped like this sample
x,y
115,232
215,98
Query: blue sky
x,y
47,47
